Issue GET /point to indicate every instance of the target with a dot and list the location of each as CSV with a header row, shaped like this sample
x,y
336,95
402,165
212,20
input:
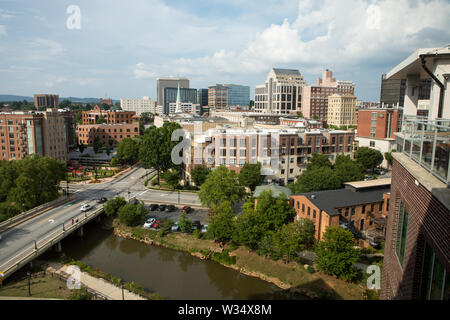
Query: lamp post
x,y
29,284
123,294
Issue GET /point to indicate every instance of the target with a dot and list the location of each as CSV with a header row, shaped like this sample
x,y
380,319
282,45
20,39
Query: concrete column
x,y
98,219
80,232
411,95
58,247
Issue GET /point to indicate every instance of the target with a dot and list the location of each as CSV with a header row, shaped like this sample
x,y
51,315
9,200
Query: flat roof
x,y
369,183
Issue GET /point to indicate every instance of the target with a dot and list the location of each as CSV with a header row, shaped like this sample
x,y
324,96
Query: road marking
x,y
51,221
140,194
163,195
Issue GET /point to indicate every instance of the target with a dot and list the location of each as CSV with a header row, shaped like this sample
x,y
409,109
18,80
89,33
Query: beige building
x,y
342,110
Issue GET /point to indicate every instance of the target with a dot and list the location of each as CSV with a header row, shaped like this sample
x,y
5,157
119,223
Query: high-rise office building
x,y
202,97
281,94
238,95
46,100
169,82
392,91
170,96
315,98
218,96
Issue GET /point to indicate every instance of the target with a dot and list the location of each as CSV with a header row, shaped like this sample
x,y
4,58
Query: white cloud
x,y
346,33
141,71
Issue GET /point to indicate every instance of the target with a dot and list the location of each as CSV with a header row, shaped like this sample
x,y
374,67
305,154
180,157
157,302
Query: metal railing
x,y
428,143
39,246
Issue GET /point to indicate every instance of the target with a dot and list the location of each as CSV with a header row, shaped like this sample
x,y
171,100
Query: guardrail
x,y
39,246
27,214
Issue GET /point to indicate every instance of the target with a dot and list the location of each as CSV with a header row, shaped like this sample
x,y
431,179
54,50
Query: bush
x,y
165,227
132,215
197,233
185,224
81,294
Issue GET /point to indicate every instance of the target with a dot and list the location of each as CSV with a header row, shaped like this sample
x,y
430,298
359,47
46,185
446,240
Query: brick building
x,y
417,250
46,100
356,207
111,117
107,132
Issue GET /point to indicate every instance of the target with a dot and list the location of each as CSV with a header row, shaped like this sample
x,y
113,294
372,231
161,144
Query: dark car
x,y
102,200
170,208
162,207
153,207
186,209
196,225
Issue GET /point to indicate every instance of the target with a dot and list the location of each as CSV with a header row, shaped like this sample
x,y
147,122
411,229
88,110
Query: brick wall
x,y
429,220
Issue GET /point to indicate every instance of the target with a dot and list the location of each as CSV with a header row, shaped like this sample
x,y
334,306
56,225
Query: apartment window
x,y
314,214
242,143
292,160
374,115
435,281
232,152
298,205
346,212
291,170
309,211
363,209
402,229
282,171
242,152
372,144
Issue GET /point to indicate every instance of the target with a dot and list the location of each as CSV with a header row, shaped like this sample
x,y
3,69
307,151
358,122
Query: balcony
x,y
427,142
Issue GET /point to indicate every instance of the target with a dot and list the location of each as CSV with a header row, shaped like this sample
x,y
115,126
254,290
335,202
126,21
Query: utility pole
x,y
123,294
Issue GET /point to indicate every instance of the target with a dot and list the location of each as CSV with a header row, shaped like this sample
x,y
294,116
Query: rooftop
x,y
294,72
275,189
369,183
331,200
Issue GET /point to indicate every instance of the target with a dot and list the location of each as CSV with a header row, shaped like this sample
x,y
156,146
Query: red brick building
x,y
107,132
111,117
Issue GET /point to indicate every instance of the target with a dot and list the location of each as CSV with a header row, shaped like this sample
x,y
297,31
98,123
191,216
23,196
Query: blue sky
x,y
123,46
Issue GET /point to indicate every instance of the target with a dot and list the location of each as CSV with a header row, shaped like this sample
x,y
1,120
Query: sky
x,y
117,48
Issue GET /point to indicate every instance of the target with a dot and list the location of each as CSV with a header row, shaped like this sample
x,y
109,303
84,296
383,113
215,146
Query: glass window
x,y
435,283
402,229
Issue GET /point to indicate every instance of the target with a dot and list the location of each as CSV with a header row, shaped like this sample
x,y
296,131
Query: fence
x,y
28,214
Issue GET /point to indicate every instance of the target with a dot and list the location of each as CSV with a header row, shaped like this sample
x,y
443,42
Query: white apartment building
x,y
144,105
281,94
184,107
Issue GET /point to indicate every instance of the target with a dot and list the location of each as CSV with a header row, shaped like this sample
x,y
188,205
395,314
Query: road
x,y
130,184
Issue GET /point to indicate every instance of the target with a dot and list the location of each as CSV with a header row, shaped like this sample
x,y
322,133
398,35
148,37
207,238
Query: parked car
x,y
154,207
102,200
196,225
162,207
86,207
186,209
175,227
170,208
155,225
149,223
367,178
204,228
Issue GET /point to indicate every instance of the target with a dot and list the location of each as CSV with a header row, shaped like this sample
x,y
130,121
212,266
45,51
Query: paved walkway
x,y
105,288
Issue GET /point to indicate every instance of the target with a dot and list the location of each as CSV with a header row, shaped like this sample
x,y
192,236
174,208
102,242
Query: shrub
x,y
224,257
132,215
81,294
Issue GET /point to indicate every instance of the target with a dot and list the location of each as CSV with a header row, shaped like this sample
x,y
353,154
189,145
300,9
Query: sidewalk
x,y
105,288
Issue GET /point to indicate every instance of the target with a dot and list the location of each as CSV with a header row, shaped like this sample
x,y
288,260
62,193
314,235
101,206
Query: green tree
x,y
335,255
128,151
132,215
300,115
81,147
221,223
273,212
112,206
80,294
100,120
389,158
185,224
156,148
221,185
369,158
97,144
172,177
317,179
250,175
347,170
199,175
318,161
248,229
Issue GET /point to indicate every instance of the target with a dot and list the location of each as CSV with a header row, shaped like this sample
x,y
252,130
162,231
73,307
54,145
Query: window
x,y
303,207
298,205
309,211
372,144
363,209
314,214
435,281
402,229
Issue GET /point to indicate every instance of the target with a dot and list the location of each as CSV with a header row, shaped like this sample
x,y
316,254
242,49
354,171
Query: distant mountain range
x,y
7,98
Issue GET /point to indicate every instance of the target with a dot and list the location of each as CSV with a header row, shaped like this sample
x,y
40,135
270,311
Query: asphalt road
x,y
22,237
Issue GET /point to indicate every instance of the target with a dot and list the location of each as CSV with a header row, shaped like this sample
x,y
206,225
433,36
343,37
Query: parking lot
x,y
195,214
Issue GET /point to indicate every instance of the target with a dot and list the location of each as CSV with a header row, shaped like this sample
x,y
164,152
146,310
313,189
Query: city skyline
x,y
119,50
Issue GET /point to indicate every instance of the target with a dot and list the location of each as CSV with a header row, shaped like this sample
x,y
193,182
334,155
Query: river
x,y
170,273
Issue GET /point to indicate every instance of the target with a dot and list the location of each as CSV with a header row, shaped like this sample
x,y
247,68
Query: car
x,y
0,238
102,200
186,209
204,228
175,227
170,208
367,178
196,225
149,223
162,207
86,207
154,207
375,245
155,226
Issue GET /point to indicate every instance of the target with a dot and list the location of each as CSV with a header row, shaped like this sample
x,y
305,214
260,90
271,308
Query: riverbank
x,y
291,276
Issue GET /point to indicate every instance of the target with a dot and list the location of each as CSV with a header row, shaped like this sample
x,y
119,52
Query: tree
x,y
291,239
97,144
273,212
128,151
221,223
369,158
221,185
80,294
318,161
300,115
335,255
156,148
199,175
172,177
132,215
316,179
248,229
250,176
347,170
108,150
100,120
389,158
185,224
112,206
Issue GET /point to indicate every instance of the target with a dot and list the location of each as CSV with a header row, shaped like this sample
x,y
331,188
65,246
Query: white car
x,y
149,223
204,228
86,207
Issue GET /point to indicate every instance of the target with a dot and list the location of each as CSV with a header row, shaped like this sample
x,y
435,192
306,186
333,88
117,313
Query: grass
x,y
41,287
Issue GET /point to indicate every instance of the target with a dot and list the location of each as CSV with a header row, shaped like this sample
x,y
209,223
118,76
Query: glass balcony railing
x,y
428,143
